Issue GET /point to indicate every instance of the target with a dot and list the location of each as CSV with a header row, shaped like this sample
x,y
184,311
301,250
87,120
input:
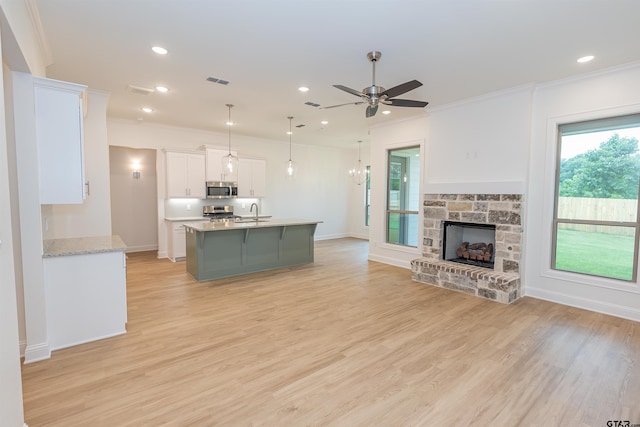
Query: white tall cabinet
x,y
252,175
185,175
215,171
60,140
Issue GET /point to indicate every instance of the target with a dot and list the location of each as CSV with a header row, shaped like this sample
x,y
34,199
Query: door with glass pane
x,y
403,196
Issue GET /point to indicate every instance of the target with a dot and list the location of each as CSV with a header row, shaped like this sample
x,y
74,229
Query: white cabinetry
x,y
252,174
59,134
215,171
86,297
177,239
185,175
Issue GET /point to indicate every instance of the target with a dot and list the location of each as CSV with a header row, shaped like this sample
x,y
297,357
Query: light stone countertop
x,y
220,226
83,246
186,218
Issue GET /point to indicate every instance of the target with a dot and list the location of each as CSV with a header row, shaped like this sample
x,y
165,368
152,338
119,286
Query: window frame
x,y
389,211
587,126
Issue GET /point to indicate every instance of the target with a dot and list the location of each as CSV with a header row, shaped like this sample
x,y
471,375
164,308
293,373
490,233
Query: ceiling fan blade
x,y
405,103
348,89
371,110
341,105
400,89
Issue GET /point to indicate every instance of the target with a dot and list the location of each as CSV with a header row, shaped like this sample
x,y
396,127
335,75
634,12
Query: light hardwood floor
x,y
341,342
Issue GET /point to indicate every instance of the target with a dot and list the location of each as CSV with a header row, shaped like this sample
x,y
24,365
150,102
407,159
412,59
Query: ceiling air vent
x,y
139,90
216,80
300,126
313,104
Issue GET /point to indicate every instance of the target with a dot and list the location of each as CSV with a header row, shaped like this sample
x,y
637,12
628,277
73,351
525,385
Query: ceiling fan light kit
x,y
374,95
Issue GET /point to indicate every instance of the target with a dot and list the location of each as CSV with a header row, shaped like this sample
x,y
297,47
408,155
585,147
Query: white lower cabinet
x,y
177,246
86,297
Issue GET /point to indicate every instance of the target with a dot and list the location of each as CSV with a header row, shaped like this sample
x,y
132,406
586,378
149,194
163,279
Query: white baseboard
x,y
142,248
36,353
625,312
163,254
115,334
361,236
391,261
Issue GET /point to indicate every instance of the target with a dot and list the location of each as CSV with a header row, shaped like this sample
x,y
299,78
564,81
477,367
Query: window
x,y
596,226
367,197
403,196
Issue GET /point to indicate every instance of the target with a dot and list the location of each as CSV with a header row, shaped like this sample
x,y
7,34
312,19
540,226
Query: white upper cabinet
x,y
185,175
60,141
252,174
215,171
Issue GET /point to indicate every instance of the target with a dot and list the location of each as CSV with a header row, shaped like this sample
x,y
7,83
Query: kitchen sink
x,y
248,220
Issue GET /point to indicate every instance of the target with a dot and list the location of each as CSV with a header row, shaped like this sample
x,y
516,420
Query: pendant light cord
x,y
229,126
290,133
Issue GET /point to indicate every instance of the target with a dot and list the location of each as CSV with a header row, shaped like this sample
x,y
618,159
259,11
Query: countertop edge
x,y
222,226
82,246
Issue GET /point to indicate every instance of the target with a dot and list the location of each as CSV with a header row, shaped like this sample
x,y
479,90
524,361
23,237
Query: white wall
x,y
93,217
592,96
134,202
479,145
11,384
320,191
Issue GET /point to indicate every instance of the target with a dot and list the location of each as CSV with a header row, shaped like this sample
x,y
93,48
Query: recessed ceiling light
x,y
289,132
159,50
147,109
586,58
162,89
386,112
303,89
324,122
229,123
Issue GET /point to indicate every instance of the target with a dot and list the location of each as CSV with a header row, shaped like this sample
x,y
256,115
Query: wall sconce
x,y
136,170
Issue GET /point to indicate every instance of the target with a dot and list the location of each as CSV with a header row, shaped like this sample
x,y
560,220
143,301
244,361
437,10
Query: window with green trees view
x,y
596,211
403,196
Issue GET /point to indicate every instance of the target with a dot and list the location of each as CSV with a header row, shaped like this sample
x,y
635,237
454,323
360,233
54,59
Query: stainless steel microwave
x,y
222,189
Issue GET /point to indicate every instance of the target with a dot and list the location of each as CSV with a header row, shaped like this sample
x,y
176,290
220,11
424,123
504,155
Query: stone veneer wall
x,y
505,211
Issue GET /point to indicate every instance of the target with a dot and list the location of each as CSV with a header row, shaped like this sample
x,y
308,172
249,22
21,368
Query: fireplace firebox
x,y
469,243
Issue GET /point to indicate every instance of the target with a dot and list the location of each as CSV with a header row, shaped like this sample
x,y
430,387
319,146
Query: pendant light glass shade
x,y
291,168
230,162
359,172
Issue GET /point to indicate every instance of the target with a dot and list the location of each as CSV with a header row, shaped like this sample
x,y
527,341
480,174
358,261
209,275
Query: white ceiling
x,y
267,49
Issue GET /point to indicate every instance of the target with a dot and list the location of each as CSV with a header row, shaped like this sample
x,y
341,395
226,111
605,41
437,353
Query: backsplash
x,y
183,208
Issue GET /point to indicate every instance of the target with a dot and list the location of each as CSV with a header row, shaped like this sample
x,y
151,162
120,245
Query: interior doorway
x,y
134,200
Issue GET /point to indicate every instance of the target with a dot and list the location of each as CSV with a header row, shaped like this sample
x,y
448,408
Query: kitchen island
x,y
223,249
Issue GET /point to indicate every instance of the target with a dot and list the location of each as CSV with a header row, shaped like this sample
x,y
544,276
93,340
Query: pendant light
x,y
358,173
230,162
291,165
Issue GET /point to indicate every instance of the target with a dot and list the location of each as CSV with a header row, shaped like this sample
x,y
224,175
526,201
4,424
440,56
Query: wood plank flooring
x,y
341,342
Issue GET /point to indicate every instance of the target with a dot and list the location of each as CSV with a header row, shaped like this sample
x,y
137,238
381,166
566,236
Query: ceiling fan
x,y
374,95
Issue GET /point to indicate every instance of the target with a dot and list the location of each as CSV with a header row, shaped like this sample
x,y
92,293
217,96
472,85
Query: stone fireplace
x,y
504,211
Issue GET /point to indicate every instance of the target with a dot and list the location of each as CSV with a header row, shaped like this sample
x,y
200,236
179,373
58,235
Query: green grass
x,y
600,254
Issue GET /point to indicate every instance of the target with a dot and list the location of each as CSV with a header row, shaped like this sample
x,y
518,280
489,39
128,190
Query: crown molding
x,y
34,15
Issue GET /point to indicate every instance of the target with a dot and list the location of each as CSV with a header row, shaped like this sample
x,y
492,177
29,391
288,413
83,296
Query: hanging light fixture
x,y
359,172
230,162
291,165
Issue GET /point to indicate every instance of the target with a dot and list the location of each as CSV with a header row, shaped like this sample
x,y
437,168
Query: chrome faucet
x,y
251,209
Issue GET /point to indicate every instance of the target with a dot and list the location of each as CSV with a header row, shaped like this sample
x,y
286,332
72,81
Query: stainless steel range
x,y
219,213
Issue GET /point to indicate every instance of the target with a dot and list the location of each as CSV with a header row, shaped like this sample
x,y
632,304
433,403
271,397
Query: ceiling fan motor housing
x,y
372,94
